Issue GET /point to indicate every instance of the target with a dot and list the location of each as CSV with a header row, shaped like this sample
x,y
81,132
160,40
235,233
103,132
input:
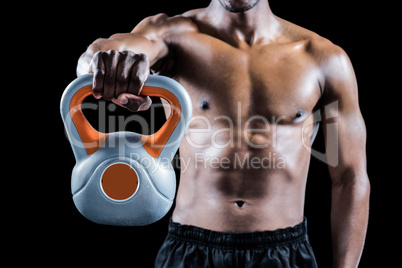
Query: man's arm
x,y
121,63
345,135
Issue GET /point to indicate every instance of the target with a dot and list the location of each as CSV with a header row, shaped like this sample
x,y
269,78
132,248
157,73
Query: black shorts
x,y
190,246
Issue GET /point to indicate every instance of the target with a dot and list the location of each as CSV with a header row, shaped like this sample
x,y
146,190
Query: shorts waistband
x,y
258,239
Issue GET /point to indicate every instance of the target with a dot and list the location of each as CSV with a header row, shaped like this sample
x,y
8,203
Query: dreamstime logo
x,y
229,133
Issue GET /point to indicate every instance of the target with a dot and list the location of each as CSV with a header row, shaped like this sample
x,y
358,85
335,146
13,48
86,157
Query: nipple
x,y
204,105
299,113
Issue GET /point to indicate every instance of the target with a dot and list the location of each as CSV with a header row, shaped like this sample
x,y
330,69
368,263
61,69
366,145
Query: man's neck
x,y
247,27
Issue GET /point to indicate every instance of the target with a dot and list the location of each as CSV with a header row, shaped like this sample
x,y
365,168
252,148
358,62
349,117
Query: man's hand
x,y
119,77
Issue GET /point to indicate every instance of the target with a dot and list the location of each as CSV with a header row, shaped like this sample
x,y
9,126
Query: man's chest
x,y
273,81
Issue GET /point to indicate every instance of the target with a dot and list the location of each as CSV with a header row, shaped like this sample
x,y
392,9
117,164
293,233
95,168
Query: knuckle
x,y
125,52
141,72
98,78
142,60
130,53
105,54
99,73
137,79
111,52
109,77
96,61
109,56
97,55
108,93
142,57
134,86
122,78
139,76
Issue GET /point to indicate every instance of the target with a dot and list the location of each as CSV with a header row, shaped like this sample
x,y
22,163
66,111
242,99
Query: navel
x,y
240,204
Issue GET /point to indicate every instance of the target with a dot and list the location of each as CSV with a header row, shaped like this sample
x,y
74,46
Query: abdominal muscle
x,y
242,188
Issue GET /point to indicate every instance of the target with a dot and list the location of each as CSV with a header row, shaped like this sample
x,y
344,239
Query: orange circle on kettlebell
x,y
119,181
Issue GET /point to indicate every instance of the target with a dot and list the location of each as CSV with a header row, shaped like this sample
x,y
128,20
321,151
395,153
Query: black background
x,y
66,29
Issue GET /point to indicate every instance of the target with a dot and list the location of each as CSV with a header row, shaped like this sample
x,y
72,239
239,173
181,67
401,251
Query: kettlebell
x,y
124,178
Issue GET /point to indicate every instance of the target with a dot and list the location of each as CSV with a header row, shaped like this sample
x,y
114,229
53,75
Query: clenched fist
x,y
119,77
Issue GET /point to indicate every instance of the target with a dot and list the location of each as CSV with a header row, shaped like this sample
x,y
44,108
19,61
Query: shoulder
x,y
331,59
161,26
321,48
333,64
337,76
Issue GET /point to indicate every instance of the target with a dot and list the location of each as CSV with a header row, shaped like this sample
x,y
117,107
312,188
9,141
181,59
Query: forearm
x,y
84,62
349,218
154,50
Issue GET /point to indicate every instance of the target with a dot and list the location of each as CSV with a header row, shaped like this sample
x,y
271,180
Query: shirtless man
x,y
254,80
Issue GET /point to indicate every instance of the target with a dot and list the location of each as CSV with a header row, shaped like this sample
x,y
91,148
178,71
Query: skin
x,y
254,80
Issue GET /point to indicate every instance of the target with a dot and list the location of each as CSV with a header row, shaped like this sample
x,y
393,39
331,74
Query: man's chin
x,y
237,6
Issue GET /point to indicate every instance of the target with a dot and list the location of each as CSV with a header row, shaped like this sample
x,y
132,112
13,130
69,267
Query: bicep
x,y
343,124
345,141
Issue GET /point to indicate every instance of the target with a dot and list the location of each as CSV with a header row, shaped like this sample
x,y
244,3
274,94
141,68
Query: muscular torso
x,y
243,160
254,82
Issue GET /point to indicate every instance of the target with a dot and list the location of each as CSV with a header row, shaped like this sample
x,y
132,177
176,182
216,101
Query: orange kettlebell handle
x,y
153,144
